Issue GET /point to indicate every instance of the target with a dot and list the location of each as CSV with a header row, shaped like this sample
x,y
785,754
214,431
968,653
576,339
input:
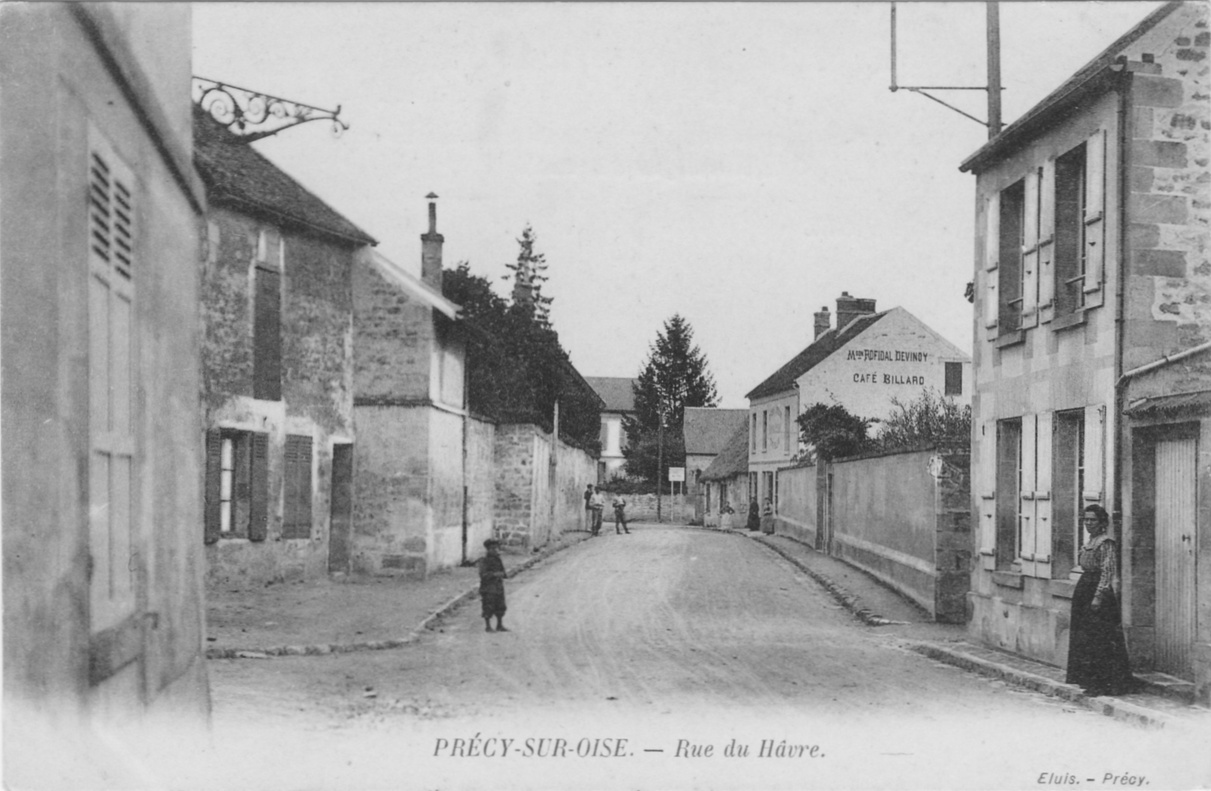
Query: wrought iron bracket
x,y
251,115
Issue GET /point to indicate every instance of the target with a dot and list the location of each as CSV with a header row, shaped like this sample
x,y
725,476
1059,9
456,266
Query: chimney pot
x,y
431,248
850,308
822,322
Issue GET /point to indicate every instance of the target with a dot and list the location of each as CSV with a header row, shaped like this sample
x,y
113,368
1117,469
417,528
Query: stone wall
x,y
395,338
674,509
481,485
796,509
535,500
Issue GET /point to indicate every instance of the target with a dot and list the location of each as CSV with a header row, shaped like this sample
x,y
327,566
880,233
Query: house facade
x,y
424,487
706,431
103,610
1093,351
724,482
868,359
618,395
277,366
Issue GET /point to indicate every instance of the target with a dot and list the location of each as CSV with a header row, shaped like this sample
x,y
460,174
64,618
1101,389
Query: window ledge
x,y
1061,589
1074,319
1007,579
1010,338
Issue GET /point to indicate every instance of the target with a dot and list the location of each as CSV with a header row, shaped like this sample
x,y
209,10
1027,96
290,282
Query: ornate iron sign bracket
x,y
251,115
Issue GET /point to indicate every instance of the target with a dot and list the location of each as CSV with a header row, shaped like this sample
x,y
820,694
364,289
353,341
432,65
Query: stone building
x,y
724,482
277,366
103,612
424,478
1093,351
706,431
862,364
618,395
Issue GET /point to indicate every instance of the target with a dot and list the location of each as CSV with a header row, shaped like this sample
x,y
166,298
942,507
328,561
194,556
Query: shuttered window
x,y
954,379
1010,272
111,369
1071,260
237,485
297,521
1008,491
1068,479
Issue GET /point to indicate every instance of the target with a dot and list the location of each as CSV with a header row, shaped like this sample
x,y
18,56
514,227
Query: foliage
x,y
528,275
928,421
674,376
516,367
833,432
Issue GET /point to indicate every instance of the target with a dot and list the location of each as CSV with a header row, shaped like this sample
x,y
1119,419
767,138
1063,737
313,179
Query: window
x,y
752,487
1008,489
297,520
722,495
764,430
767,487
707,503
954,379
1071,259
267,318
1010,273
601,472
237,485
753,433
112,373
1068,480
786,431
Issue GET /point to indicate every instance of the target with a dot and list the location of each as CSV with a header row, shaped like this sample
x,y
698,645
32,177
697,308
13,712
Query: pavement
x,y
319,617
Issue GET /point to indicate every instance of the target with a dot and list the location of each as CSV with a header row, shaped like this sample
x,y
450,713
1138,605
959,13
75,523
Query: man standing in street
x,y
596,505
588,511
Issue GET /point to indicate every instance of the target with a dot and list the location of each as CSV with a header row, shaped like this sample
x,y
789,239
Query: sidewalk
x,y
328,616
877,605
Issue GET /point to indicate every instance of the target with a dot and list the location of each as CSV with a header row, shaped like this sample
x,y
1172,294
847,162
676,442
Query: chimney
x,y
431,248
822,324
850,308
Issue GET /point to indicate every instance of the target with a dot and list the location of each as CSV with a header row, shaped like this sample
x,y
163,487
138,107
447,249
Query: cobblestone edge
x,y
325,649
841,595
1109,706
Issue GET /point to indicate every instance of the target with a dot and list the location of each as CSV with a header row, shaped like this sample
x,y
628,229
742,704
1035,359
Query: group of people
x,y
594,508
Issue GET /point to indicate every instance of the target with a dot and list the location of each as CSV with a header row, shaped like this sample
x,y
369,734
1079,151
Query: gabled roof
x,y
1091,76
615,392
707,430
410,284
732,460
816,353
238,176
1195,401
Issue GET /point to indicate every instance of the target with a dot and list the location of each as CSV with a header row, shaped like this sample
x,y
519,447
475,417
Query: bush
x,y
929,421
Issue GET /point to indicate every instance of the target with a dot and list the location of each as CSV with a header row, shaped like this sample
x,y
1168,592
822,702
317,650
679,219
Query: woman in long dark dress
x,y
1097,652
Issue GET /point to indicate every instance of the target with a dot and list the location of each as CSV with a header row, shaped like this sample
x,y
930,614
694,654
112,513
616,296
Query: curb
x,y
1109,706
430,620
842,596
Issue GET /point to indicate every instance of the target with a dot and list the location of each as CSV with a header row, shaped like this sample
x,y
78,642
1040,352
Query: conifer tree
x,y
528,274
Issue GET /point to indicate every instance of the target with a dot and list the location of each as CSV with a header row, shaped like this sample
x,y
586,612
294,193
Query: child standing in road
x,y
620,517
492,586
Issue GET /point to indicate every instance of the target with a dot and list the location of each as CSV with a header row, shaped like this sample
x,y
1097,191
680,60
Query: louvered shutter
x,y
298,487
1026,526
267,336
1094,466
1042,496
992,257
258,517
1095,218
1047,243
987,484
1030,251
214,477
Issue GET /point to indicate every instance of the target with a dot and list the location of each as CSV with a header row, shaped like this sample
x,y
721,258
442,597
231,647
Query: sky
x,y
741,164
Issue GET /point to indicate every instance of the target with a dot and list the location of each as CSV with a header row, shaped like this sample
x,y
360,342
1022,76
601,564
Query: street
x,y
664,647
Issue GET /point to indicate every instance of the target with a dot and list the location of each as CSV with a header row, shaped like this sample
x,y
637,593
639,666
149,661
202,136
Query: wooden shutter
x,y
298,487
267,336
1094,467
258,516
1042,496
1026,515
1030,251
1095,218
1046,274
992,258
214,475
986,482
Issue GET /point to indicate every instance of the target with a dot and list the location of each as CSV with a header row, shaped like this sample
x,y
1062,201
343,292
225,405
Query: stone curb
x,y
842,596
324,649
1111,707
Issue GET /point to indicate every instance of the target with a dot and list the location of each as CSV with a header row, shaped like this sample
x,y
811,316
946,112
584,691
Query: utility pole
x,y
994,68
659,464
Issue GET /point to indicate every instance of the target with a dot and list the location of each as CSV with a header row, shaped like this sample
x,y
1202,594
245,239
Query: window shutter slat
x,y
1095,218
258,521
214,447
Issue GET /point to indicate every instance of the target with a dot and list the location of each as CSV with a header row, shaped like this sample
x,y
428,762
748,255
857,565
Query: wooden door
x,y
1175,556
341,521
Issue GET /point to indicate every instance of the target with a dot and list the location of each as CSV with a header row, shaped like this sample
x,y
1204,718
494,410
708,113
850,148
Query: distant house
x,y
868,359
423,486
619,397
706,432
1093,352
103,609
725,491
277,365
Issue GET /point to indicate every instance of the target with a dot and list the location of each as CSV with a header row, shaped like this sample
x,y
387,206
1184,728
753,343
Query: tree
x,y
528,274
928,421
674,376
833,432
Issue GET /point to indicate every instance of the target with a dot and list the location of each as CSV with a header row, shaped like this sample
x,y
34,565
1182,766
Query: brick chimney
x,y
850,308
431,248
822,319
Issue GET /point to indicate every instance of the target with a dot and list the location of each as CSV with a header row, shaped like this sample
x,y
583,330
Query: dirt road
x,y
680,644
